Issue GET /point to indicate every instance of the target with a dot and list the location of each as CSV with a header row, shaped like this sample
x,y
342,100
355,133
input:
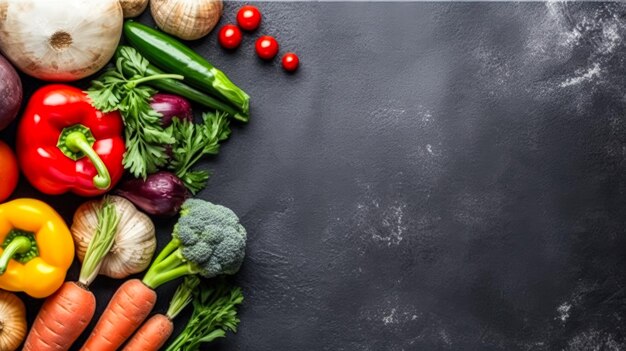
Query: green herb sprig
x,y
193,141
214,313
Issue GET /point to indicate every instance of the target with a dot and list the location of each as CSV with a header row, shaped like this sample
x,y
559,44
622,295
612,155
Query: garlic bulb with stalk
x,y
187,19
12,321
135,240
133,8
60,40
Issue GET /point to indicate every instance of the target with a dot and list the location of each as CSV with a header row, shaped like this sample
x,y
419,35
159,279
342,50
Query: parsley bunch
x,y
146,139
193,141
214,314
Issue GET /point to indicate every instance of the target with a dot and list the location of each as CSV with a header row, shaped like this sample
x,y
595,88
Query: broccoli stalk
x,y
168,265
208,240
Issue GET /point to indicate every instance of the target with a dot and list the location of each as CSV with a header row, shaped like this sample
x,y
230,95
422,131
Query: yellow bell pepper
x,y
36,248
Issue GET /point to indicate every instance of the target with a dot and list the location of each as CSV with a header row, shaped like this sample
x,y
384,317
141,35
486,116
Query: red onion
x,y
171,106
161,194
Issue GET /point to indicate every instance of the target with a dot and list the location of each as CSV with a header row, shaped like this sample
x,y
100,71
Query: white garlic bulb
x,y
187,19
60,40
135,240
133,8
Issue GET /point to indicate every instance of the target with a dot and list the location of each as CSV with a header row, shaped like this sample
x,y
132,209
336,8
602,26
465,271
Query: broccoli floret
x,y
208,240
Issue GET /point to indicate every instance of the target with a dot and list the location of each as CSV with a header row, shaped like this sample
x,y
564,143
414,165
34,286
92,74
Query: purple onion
x,y
171,106
161,194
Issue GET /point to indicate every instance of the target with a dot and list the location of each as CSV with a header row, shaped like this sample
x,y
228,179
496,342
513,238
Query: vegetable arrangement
x,y
133,139
207,241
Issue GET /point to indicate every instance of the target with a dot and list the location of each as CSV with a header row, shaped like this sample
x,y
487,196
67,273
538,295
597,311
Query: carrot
x,y
61,319
66,314
155,332
129,306
152,335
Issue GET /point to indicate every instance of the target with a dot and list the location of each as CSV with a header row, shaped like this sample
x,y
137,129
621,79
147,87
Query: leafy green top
x,y
214,313
193,141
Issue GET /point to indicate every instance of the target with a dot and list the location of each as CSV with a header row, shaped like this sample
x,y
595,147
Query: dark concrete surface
x,y
436,176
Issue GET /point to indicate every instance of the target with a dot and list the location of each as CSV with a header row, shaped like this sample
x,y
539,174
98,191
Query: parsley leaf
x,y
117,90
193,141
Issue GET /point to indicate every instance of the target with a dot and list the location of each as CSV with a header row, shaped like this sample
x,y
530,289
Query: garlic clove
x,y
187,19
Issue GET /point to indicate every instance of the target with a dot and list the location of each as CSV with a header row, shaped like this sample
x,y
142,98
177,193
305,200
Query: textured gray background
x,y
436,176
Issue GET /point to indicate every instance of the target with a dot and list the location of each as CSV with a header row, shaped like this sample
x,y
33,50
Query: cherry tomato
x,y
249,17
229,36
8,171
290,62
266,47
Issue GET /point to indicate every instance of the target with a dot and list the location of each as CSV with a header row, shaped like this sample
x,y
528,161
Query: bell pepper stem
x,y
18,245
77,142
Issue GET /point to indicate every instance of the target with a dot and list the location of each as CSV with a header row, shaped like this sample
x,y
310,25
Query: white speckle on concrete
x,y
594,340
390,318
393,226
563,311
424,114
611,38
379,220
580,46
583,75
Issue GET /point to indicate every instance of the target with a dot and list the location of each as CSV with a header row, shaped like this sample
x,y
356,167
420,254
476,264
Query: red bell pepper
x,y
65,144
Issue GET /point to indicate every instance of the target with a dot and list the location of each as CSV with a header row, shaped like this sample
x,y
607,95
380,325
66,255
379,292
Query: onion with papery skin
x,y
187,19
12,321
133,8
135,240
160,194
170,106
60,40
